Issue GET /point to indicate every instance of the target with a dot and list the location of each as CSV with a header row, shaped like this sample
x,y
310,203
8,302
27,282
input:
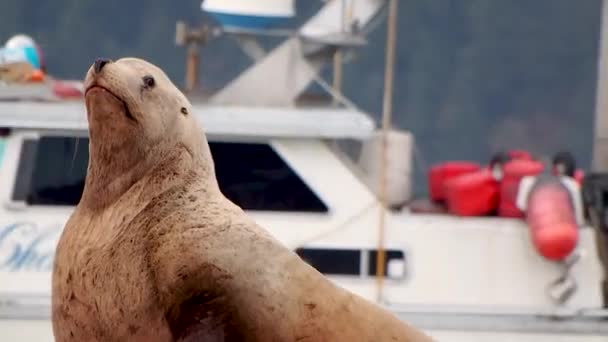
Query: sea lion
x,y
155,252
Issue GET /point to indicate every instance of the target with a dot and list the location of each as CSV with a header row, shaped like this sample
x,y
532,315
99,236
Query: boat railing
x,y
586,321
579,321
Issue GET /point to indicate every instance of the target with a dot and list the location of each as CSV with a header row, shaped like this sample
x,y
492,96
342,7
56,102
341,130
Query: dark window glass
x,y
332,261
345,261
56,176
255,177
388,255
52,171
24,170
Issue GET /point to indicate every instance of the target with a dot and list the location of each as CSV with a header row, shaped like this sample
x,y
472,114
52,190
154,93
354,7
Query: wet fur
x,y
155,252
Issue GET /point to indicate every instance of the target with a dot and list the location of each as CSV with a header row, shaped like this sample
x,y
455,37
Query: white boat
x,y
458,278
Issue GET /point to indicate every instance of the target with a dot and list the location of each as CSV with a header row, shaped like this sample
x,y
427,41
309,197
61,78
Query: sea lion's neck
x,y
112,173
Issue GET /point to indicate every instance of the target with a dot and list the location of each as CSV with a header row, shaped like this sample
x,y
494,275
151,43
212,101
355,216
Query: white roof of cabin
x,y
257,122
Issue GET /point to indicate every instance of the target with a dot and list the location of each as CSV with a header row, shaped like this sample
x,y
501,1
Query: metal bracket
x,y
564,287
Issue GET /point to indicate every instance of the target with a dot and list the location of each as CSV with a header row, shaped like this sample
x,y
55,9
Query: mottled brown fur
x,y
155,252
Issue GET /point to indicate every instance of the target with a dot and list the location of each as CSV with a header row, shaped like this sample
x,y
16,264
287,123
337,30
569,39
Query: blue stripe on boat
x,y
249,21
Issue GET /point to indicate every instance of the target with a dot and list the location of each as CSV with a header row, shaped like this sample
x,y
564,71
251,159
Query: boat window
x,y
257,178
2,149
52,170
332,261
389,255
348,261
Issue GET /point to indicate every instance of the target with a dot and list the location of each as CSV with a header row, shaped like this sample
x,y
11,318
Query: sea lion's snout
x,y
100,63
105,93
95,77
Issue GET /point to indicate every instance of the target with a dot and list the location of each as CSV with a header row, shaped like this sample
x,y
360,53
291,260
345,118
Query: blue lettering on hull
x,y
24,246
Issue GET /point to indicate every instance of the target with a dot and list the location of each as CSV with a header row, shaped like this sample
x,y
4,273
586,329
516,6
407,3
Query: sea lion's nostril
x,y
100,63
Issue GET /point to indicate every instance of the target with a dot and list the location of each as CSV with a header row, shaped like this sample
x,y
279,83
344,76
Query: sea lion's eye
x,y
184,111
148,81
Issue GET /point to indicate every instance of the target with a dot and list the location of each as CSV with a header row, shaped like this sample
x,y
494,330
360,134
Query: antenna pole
x,y
193,39
192,81
387,104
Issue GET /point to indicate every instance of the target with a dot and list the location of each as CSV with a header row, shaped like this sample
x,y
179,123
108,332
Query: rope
x,y
336,94
338,56
387,105
337,228
564,287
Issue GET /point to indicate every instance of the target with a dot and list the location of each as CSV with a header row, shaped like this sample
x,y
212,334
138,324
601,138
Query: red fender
x,y
551,220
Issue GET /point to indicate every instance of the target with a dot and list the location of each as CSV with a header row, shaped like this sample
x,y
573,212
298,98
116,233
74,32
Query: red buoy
x,y
551,219
474,194
514,171
441,173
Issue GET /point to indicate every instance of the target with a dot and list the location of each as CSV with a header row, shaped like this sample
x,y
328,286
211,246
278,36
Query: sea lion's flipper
x,y
204,318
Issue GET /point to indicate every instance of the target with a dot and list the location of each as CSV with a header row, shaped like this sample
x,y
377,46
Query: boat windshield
x,y
52,170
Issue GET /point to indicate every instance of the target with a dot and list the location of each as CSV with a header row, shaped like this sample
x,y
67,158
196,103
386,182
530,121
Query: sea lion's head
x,y
132,99
137,118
